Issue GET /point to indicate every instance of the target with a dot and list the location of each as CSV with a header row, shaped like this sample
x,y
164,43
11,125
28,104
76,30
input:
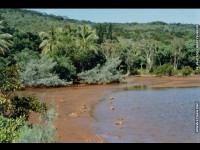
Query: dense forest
x,y
40,50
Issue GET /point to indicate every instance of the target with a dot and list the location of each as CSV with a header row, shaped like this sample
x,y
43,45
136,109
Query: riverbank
x,y
74,104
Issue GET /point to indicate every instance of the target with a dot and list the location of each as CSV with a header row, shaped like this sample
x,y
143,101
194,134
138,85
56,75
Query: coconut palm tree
x,y
87,38
5,40
50,40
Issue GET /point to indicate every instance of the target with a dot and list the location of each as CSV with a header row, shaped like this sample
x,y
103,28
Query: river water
x,y
148,115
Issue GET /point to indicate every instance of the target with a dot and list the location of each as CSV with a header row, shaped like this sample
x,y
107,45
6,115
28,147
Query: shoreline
x,y
74,105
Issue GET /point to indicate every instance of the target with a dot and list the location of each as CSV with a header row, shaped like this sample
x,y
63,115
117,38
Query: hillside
x,y
32,21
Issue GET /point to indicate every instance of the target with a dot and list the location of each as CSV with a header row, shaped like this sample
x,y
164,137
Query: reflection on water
x,y
148,115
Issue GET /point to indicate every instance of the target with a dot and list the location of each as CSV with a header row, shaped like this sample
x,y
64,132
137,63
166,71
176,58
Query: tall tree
x,y
50,40
110,49
130,52
5,40
110,32
177,47
87,38
149,47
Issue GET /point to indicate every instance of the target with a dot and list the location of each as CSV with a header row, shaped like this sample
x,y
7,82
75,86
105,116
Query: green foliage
x,y
187,70
134,72
40,73
23,57
40,133
143,72
64,68
10,129
107,73
24,105
197,72
164,70
9,79
78,46
5,40
25,40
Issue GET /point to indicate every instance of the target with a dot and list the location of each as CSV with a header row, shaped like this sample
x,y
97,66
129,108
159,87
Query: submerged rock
x,y
112,108
120,119
118,123
74,115
111,98
83,107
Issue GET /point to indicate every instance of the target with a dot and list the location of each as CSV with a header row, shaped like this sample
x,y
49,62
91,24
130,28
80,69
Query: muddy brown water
x,y
147,112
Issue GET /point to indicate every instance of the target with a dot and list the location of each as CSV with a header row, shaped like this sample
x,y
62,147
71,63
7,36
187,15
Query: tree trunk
x,y
175,63
128,70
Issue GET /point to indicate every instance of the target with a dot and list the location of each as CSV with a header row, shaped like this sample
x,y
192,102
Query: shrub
x,y
10,129
135,72
10,79
40,73
196,72
23,57
165,70
24,105
64,68
40,133
187,70
107,73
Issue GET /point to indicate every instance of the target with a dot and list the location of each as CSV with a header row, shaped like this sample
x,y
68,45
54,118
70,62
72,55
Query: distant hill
x,y
35,22
32,21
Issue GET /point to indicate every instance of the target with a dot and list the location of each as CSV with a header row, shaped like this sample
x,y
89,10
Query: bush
x,y
40,73
23,57
10,79
24,105
10,129
107,73
165,70
64,68
40,133
187,70
134,72
196,72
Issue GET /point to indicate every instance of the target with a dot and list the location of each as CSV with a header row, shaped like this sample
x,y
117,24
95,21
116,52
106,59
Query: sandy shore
x,y
74,104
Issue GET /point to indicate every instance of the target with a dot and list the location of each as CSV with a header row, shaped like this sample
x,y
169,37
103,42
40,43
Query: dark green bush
x,y
187,70
107,73
164,70
135,72
24,105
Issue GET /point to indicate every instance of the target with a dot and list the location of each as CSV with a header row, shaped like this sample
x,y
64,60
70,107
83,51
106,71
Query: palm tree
x,y
86,38
5,40
51,40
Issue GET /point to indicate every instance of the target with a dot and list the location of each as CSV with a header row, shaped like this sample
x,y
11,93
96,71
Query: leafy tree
x,y
177,47
130,51
149,47
110,49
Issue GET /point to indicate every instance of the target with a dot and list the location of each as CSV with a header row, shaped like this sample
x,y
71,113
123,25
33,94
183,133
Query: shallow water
x,y
148,115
